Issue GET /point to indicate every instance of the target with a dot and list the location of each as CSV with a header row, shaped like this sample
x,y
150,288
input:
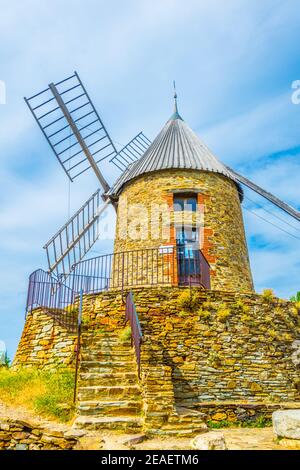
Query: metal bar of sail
x,y
81,141
68,148
84,116
75,98
79,237
145,138
88,167
79,107
269,196
59,130
37,94
47,138
42,104
65,80
83,87
96,193
77,143
70,89
53,122
49,112
131,151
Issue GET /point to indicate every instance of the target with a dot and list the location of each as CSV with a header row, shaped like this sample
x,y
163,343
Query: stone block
x,y
286,423
209,441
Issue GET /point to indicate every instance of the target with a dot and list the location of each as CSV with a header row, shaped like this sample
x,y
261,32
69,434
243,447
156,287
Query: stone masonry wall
x,y
226,347
221,353
16,434
44,343
223,242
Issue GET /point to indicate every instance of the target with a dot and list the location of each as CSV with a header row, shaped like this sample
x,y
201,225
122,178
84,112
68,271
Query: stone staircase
x,y
184,422
109,395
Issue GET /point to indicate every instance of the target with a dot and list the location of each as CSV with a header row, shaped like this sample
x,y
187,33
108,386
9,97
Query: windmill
x,y
80,141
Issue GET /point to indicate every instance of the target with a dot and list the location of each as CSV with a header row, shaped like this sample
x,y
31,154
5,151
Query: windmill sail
x,y
131,152
71,243
72,127
262,192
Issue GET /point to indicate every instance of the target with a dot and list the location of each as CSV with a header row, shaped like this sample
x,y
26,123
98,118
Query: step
x,y
103,338
109,408
115,392
107,356
126,423
107,366
87,379
106,340
107,346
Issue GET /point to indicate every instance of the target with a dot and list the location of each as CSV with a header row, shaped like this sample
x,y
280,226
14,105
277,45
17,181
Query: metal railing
x,y
145,267
54,298
136,331
58,296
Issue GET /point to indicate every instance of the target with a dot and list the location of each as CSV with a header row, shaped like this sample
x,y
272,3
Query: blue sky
x,y
234,64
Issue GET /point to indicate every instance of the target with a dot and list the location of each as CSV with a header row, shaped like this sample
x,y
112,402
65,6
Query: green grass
x,y
48,393
296,298
125,335
259,422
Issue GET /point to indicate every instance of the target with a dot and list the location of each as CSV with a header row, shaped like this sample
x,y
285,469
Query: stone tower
x,y
179,192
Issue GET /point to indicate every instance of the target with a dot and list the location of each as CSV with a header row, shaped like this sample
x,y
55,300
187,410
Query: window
x,y
185,202
186,235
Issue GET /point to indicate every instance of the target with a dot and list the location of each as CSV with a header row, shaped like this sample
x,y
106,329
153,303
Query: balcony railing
x,y
165,266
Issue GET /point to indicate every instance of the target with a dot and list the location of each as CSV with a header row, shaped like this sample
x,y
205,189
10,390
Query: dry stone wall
x,y
225,347
44,343
220,353
16,434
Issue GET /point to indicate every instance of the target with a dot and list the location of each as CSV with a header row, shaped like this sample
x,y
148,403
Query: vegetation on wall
x,y
125,335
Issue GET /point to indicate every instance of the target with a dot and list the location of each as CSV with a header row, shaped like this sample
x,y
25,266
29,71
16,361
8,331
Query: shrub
x,y
189,300
241,307
268,295
273,334
286,337
204,314
125,335
223,313
220,424
296,298
185,300
206,310
259,422
246,318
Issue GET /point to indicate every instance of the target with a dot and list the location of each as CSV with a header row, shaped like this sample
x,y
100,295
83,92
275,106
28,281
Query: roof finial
x,y
175,98
175,115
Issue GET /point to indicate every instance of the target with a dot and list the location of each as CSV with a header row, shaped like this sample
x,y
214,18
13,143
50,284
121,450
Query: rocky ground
x,y
236,438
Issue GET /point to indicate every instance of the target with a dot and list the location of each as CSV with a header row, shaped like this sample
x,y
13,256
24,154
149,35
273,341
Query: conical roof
x,y
175,147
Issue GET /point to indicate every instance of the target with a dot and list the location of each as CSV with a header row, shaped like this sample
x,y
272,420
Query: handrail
x,y
136,331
